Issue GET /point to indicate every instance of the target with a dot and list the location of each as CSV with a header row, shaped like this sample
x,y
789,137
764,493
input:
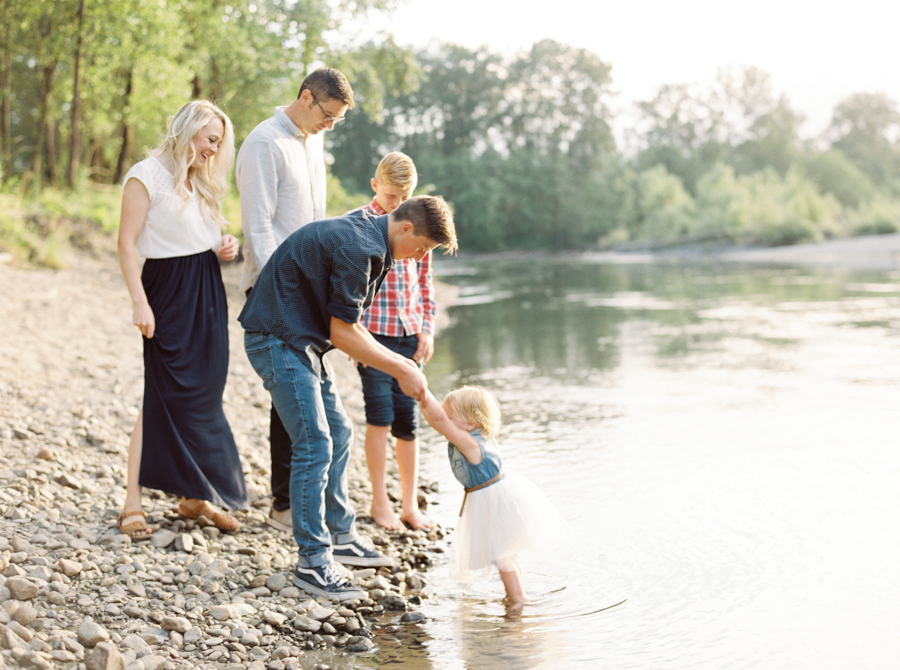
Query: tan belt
x,y
480,486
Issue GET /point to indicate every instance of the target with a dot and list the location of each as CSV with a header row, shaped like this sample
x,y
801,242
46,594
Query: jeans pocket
x,y
260,356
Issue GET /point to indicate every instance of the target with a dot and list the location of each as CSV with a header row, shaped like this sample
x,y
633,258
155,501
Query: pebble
x,y
74,592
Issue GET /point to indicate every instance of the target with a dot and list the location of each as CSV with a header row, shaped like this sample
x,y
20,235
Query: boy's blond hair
x,y
474,405
397,169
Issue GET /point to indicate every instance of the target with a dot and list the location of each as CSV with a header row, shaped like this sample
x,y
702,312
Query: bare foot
x,y
416,520
515,607
384,515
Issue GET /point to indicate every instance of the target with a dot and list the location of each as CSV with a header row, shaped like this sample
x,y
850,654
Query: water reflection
x,y
723,440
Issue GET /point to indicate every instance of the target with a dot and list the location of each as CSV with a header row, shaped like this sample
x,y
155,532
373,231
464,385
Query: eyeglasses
x,y
328,117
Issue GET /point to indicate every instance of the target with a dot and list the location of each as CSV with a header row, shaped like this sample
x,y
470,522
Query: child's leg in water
x,y
511,575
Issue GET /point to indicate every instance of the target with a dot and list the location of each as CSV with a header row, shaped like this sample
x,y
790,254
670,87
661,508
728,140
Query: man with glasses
x,y
281,180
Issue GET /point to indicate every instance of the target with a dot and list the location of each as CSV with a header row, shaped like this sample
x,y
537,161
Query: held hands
x,y
143,318
229,249
412,381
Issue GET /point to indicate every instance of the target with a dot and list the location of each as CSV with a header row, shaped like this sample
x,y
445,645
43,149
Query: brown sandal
x,y
220,520
136,530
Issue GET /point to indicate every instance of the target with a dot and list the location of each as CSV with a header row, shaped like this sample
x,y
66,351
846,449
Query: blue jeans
x,y
386,404
321,435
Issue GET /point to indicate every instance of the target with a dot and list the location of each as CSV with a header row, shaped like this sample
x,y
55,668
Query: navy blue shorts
x,y
386,404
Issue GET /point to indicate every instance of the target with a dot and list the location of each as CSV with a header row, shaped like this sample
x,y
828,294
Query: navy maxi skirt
x,y
188,448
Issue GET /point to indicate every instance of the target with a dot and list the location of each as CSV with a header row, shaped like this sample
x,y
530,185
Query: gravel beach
x,y
74,592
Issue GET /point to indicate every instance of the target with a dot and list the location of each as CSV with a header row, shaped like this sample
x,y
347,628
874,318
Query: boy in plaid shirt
x,y
402,319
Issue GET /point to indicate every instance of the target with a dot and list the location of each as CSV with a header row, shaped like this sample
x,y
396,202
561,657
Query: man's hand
x,y
425,350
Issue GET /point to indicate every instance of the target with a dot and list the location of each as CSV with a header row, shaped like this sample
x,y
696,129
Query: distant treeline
x,y
521,145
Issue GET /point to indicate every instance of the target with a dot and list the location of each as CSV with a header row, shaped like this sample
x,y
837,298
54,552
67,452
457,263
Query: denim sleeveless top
x,y
472,475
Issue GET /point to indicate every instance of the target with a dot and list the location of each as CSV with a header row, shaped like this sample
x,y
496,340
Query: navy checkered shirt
x,y
332,267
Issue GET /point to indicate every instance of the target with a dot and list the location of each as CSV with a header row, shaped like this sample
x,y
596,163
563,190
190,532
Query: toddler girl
x,y
502,513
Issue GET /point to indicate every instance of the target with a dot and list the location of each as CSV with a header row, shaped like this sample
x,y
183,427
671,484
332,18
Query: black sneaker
x,y
360,552
328,581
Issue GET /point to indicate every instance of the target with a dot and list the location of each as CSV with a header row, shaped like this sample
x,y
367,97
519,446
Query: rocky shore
x,y
75,593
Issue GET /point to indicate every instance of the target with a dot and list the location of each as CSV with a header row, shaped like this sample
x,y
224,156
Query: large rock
x,y
25,614
306,624
137,645
176,623
319,613
69,568
105,656
91,634
162,539
20,630
9,640
276,582
274,618
220,612
21,588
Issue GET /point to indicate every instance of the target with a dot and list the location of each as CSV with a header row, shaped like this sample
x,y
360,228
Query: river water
x,y
723,440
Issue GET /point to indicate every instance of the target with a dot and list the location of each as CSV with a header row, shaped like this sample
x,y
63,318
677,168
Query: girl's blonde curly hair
x,y
475,405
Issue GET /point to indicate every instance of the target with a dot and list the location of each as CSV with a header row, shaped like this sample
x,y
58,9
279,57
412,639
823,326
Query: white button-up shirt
x,y
281,179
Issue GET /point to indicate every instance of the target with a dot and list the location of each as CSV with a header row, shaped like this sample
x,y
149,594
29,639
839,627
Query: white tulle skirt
x,y
501,521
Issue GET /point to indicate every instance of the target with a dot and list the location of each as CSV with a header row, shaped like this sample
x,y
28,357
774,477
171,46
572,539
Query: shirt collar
x,y
285,122
375,207
389,256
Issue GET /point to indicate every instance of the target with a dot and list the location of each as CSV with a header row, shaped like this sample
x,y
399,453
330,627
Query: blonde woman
x,y
172,216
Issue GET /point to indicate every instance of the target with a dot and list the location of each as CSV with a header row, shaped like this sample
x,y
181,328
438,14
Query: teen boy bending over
x,y
308,299
401,319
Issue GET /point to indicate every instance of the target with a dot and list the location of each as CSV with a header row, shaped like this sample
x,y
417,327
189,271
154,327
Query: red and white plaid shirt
x,y
404,305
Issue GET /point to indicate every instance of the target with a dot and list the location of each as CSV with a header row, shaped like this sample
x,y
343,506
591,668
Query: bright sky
x,y
816,53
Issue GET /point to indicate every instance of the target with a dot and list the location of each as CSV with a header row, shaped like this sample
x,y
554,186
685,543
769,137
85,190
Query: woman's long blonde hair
x,y
475,405
210,180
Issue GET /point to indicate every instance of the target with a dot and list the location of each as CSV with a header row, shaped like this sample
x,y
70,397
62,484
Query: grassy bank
x,y
40,230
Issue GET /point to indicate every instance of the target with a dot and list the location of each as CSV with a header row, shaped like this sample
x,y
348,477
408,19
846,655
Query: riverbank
x,y
868,252
192,597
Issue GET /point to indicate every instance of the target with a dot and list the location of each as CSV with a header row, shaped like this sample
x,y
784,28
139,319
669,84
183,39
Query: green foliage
x,y
763,208
665,208
865,127
40,231
339,200
520,144
878,216
140,60
835,174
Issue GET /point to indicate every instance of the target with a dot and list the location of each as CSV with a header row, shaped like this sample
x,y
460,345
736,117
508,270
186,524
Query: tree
x,y
865,127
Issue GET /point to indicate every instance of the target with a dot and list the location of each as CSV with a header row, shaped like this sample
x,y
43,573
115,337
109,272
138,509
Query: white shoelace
x,y
365,542
333,574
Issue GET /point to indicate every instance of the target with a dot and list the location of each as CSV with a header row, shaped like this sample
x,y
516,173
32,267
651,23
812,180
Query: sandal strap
x,y
125,515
